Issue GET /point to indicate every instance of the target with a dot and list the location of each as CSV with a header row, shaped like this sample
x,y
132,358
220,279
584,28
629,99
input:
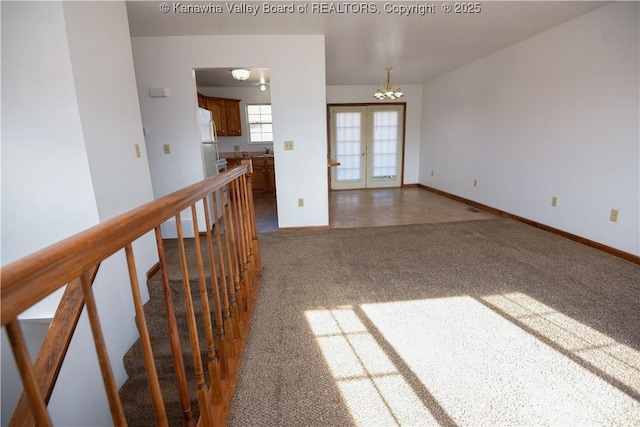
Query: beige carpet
x,y
468,323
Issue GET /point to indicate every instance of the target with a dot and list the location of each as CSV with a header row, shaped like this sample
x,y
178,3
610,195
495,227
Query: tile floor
x,y
378,207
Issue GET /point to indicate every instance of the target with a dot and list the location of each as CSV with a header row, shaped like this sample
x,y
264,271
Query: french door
x,y
367,141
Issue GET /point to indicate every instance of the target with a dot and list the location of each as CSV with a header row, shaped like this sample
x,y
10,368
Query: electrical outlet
x,y
614,215
554,201
301,203
138,151
475,182
288,145
167,149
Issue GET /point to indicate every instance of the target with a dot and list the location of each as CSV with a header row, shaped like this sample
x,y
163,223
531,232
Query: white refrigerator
x,y
208,137
210,155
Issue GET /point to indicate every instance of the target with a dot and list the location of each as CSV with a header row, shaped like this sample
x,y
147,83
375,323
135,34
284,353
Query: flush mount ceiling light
x,y
388,91
241,73
262,86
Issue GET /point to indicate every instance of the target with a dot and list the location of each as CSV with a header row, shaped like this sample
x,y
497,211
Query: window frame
x,y
261,122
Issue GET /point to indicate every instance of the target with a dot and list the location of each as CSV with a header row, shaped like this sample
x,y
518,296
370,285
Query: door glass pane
x,y
348,143
384,144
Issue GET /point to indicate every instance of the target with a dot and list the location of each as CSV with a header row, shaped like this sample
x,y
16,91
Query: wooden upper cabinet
x,y
216,106
226,114
232,109
202,101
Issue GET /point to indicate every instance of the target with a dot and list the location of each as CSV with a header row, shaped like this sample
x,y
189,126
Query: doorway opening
x,y
241,112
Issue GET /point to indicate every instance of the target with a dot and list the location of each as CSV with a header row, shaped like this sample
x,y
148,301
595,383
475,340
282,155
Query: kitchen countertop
x,y
330,162
252,154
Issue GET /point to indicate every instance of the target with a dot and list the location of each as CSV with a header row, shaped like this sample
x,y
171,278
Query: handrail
x,y
74,262
29,280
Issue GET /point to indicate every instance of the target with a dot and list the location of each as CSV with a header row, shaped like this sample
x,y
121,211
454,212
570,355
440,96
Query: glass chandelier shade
x,y
388,91
241,74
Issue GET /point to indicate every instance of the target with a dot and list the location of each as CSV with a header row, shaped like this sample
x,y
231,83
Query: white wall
x,y
71,119
247,95
554,115
109,109
296,66
412,134
47,192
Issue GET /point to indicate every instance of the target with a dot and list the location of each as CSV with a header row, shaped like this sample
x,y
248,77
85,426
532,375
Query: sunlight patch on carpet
x,y
371,386
606,354
485,370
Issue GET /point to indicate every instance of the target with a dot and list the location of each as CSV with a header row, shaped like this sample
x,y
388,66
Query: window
x,y
260,123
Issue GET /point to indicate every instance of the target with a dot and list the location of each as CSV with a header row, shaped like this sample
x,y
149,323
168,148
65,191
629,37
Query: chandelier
x,y
388,91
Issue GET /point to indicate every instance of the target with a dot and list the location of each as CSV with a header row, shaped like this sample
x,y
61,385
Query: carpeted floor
x,y
469,323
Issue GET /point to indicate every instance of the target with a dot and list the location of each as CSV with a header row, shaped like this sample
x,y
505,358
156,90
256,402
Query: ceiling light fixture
x,y
262,86
388,91
241,73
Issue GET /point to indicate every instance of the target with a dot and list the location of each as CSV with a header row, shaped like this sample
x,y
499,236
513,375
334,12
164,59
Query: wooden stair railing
x,y
231,251
54,348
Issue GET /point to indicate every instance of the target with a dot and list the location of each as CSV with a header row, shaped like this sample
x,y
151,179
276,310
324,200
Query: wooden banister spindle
x,y
115,405
23,361
54,348
238,226
174,337
226,309
239,232
217,306
201,391
247,237
231,248
230,231
214,368
241,241
252,212
159,411
242,244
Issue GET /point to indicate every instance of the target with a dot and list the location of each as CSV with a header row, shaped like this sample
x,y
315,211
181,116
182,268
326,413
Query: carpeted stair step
x,y
158,331
156,289
137,403
135,392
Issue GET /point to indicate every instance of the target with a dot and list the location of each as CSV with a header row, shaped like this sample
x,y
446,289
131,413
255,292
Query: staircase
x,y
187,359
135,391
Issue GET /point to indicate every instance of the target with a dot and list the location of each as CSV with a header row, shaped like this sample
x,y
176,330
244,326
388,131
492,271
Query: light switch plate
x,y
288,145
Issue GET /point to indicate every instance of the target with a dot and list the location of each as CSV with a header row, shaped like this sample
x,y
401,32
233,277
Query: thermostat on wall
x,y
159,92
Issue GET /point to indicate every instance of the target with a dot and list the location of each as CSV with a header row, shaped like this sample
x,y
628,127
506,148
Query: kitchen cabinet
x,y
264,174
232,162
226,114
216,106
202,101
263,179
232,112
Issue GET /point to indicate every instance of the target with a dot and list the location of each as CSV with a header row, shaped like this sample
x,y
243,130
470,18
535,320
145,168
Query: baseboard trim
x,y
591,243
153,270
311,228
